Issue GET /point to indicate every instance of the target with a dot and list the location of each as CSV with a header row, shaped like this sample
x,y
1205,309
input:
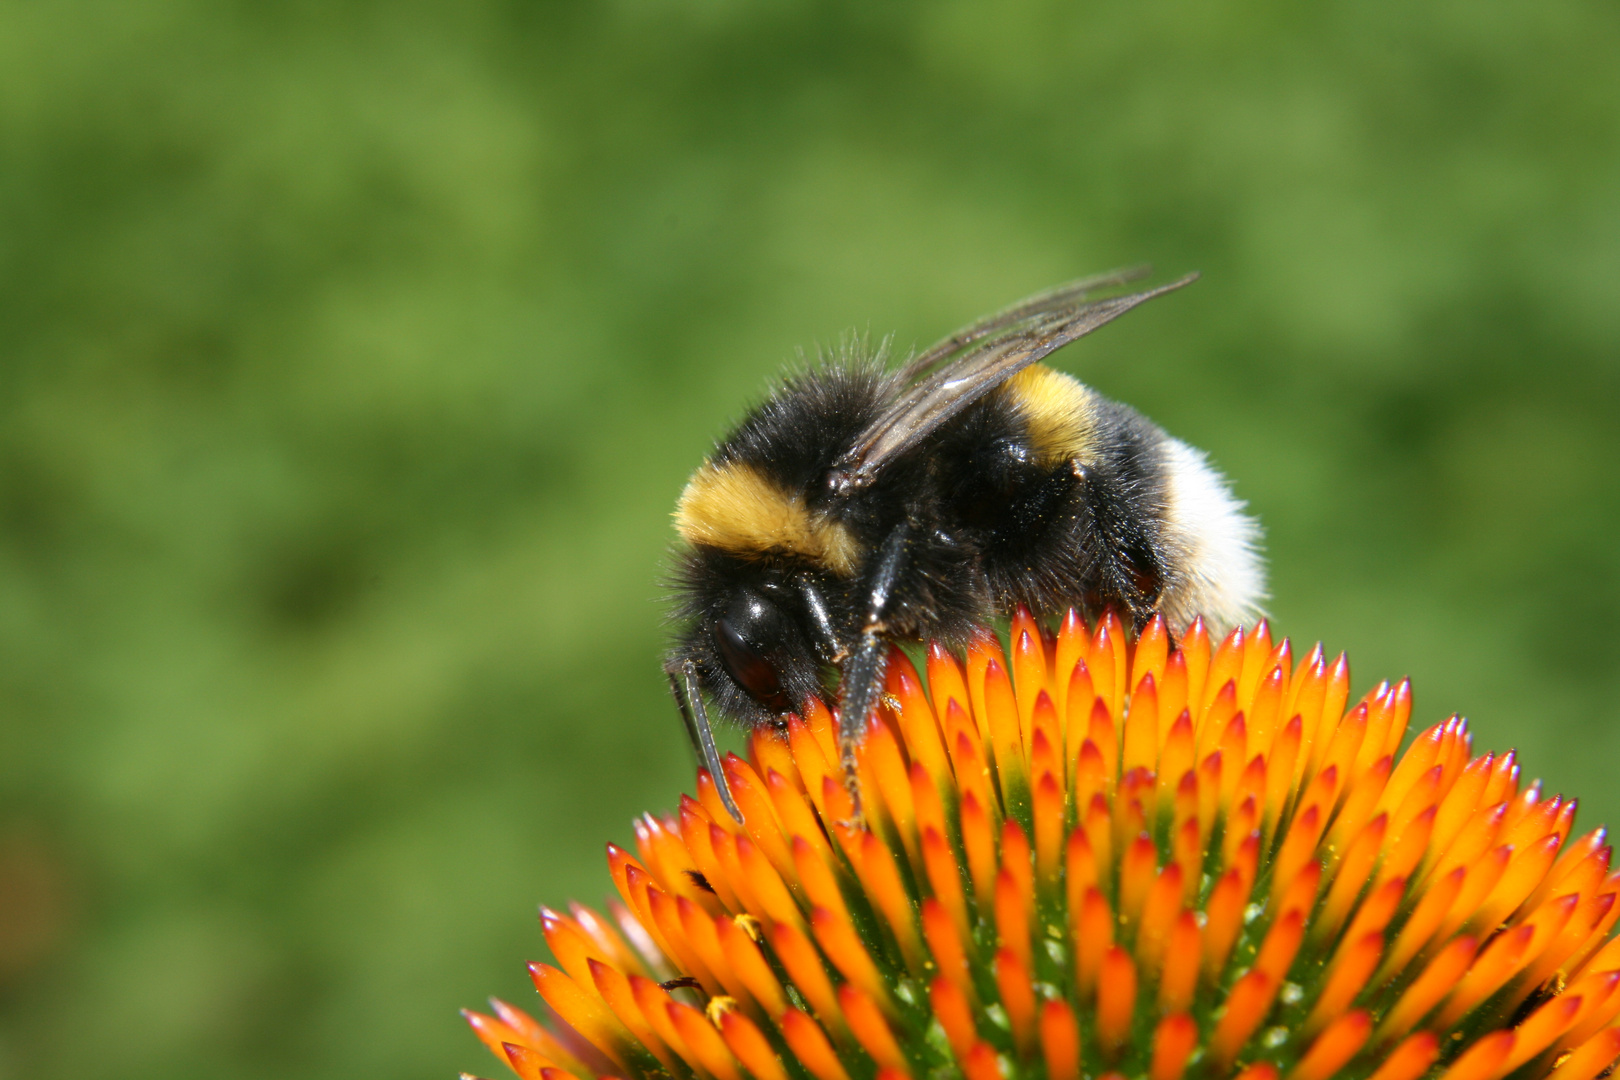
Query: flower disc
x,y
1092,857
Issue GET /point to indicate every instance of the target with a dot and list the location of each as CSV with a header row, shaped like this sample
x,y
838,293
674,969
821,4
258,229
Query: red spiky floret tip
x,y
1087,856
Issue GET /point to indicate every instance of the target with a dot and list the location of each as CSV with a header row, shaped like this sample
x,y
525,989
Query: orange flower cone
x,y
1092,857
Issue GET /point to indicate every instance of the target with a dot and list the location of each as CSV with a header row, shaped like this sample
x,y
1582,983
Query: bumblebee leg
x,y
830,649
689,699
863,686
864,670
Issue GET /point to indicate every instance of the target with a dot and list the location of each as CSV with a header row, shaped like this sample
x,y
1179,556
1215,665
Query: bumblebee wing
x,y
1033,330
1052,300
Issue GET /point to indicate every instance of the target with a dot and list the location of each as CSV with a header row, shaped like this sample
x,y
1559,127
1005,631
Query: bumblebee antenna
x,y
683,685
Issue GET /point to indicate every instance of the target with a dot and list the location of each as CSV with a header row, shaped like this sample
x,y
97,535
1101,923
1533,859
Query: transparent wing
x,y
986,354
1063,296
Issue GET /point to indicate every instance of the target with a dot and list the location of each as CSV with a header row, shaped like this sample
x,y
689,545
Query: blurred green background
x,y
352,356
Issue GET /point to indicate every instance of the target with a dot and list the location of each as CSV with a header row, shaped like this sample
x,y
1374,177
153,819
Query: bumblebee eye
x,y
752,628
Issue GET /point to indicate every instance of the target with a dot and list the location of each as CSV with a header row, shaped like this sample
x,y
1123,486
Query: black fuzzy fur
x,y
989,528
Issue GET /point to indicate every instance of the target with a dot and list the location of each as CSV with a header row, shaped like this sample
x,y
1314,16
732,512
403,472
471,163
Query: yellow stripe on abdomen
x,y
1059,413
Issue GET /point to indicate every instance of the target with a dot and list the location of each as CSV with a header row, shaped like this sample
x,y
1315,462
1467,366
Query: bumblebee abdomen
x,y
1060,497
1078,525
1212,546
1058,413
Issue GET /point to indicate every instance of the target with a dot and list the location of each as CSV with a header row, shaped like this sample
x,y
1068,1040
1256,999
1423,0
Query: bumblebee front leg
x,y
683,685
863,686
868,662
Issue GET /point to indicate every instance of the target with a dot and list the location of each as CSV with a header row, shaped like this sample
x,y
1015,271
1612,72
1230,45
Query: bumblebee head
x,y
758,633
756,580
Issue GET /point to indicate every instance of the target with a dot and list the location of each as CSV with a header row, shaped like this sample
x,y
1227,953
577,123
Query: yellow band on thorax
x,y
732,506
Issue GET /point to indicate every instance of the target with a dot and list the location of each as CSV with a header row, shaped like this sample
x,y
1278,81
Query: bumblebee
x,y
861,506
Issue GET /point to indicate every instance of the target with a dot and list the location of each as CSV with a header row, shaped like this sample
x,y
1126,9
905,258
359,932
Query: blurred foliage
x,y
352,355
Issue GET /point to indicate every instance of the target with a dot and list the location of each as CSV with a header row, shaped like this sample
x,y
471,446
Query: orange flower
x,y
1096,857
